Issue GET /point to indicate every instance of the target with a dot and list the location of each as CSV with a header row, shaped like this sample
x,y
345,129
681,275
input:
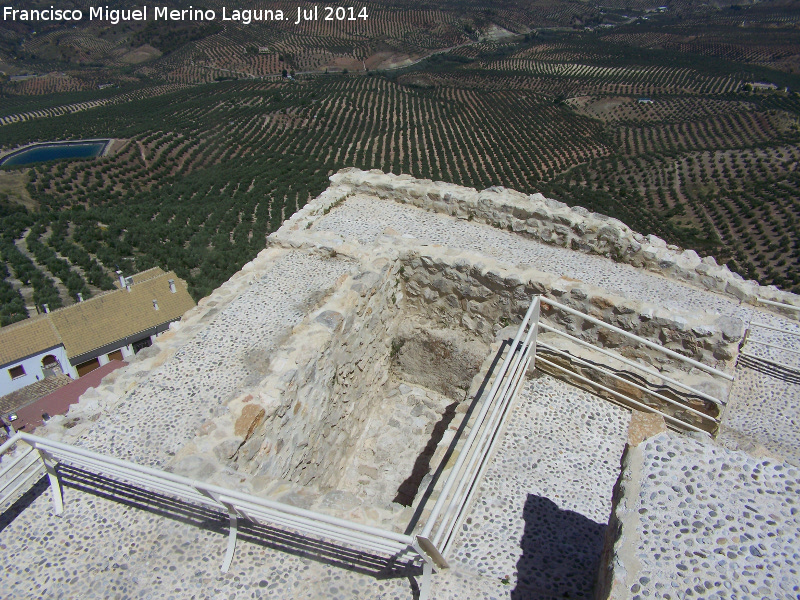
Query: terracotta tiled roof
x,y
27,337
113,316
101,320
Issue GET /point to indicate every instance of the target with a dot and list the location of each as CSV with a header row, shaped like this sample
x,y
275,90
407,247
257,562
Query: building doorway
x,y
142,343
87,367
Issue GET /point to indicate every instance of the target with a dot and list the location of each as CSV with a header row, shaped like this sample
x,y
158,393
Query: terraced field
x,y
203,169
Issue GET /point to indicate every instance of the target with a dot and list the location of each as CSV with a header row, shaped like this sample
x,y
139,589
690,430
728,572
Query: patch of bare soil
x,y
345,62
390,60
495,33
606,105
117,145
579,101
13,184
140,55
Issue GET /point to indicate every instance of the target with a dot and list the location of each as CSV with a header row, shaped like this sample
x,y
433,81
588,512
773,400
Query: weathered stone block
x,y
644,425
251,417
732,328
227,449
330,319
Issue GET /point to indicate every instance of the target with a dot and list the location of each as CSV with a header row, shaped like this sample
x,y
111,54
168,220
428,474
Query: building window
x,y
16,372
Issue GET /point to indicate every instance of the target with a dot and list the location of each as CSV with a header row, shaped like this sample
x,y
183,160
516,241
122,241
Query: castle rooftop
x,y
354,348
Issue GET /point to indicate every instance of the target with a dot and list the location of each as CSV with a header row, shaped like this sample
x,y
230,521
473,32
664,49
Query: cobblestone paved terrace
x,y
699,517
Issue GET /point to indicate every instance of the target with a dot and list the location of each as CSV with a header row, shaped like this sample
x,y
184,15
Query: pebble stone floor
x,y
551,481
102,549
348,220
764,402
715,524
163,412
536,528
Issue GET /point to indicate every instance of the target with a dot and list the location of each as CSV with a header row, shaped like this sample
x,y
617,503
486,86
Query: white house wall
x,y
33,370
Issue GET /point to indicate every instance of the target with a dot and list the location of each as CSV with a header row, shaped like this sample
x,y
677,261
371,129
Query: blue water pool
x,y
55,151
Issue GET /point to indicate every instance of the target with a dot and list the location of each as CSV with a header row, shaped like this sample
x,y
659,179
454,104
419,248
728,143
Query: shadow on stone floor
x,y
24,501
422,465
560,553
210,519
766,367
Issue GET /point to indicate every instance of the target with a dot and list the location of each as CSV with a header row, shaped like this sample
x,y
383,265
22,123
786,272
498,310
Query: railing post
x,y
429,555
425,588
479,419
237,504
512,380
535,325
55,485
232,533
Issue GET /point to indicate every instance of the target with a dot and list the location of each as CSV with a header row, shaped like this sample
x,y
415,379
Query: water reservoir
x,y
55,151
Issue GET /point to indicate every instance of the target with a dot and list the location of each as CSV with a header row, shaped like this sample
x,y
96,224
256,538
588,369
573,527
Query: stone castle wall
x,y
301,422
481,297
553,222
460,289
286,427
322,397
470,292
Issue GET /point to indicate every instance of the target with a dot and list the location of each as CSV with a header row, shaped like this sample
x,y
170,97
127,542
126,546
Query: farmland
x,y
215,148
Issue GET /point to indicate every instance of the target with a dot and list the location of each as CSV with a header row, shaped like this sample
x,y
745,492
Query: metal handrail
x,y
519,354
474,456
13,481
778,304
622,396
530,353
631,363
744,352
636,365
782,348
457,492
14,461
236,504
482,451
627,381
639,339
773,328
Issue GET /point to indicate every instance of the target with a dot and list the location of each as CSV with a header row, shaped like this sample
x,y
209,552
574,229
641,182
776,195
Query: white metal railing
x,y
630,363
778,304
773,328
18,471
776,346
782,330
235,504
473,459
619,378
450,509
643,368
640,340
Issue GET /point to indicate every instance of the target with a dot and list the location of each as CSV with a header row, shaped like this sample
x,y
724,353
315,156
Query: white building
x,y
79,338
